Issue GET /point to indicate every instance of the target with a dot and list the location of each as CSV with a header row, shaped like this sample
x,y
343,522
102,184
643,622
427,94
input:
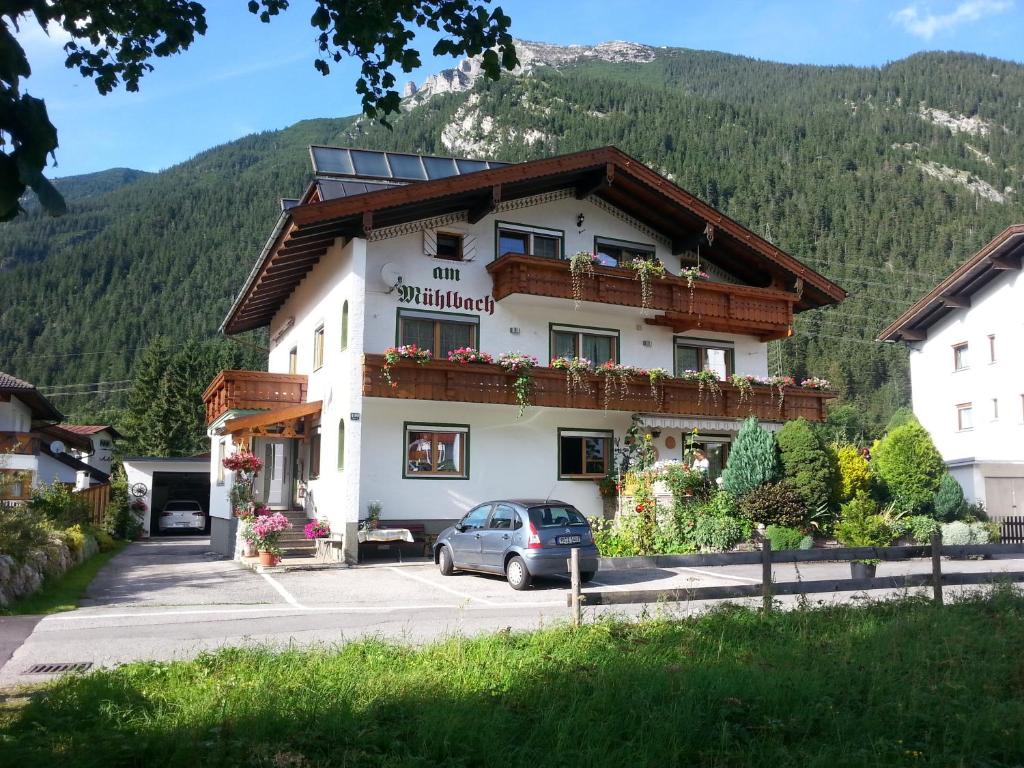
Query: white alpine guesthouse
x,y
467,257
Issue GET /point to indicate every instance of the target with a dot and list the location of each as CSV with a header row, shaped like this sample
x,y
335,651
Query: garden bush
x,y
103,540
21,532
949,500
807,464
860,524
907,461
783,537
121,521
961,533
719,533
687,483
853,473
59,505
753,460
920,528
774,504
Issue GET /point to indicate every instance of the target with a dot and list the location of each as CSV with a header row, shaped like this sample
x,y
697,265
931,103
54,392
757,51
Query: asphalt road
x,y
172,599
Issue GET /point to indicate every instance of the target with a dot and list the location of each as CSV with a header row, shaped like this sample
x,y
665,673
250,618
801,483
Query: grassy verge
x,y
63,594
887,684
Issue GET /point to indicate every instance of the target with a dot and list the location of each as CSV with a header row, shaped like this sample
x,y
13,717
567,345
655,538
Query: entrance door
x,y
1004,497
276,474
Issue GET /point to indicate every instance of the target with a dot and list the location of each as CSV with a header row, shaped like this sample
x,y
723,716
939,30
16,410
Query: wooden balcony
x,y
763,312
20,443
452,382
252,390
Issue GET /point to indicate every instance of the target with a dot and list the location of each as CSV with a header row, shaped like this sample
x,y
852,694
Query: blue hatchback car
x,y
518,538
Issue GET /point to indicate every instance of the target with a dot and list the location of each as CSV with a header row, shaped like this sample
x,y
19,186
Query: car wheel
x,y
586,576
517,573
444,561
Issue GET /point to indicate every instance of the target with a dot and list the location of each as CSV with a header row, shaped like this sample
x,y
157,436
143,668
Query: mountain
x,y
77,188
881,178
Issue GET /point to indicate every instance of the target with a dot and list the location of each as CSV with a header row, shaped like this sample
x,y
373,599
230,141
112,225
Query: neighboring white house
x,y
33,448
102,437
155,480
387,249
966,340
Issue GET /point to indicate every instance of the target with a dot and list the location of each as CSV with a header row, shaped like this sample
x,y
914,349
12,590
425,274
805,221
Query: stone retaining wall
x,y
20,579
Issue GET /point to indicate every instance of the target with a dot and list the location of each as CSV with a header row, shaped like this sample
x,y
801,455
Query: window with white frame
x,y
583,454
437,331
964,417
598,345
436,451
318,347
699,354
616,253
532,241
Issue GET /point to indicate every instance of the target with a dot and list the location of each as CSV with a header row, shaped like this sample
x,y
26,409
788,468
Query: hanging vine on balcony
x,y
522,366
405,352
646,270
657,377
616,377
779,384
692,275
707,382
581,265
745,385
577,370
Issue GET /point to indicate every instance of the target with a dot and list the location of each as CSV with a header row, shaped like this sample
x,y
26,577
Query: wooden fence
x,y
768,588
98,499
1012,530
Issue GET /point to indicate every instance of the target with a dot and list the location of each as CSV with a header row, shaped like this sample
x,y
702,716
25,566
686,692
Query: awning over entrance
x,y
277,422
703,426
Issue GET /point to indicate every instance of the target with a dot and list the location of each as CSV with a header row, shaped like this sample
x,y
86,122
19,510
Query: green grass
x,y
63,594
886,684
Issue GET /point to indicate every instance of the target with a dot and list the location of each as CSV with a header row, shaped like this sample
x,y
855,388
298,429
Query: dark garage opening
x,y
179,486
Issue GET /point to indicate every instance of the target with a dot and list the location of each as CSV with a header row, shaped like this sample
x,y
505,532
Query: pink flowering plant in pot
x,y
392,356
266,531
317,529
466,355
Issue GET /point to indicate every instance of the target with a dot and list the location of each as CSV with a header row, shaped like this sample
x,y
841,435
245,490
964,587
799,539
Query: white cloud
x,y
925,24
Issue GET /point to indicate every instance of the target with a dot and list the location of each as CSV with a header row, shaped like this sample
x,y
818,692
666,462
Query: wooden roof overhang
x,y
306,231
1001,254
286,421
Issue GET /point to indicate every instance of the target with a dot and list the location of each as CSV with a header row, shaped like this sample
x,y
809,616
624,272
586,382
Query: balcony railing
x,y
762,312
252,390
21,443
478,383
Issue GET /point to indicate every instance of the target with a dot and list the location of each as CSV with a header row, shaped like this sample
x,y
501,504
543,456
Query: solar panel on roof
x,y
407,167
370,163
439,167
332,160
471,166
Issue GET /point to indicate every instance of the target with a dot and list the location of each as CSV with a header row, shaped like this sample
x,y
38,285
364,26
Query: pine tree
x,y
949,499
753,460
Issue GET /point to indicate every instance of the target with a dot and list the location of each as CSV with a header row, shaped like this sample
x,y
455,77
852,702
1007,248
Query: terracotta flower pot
x,y
250,550
268,558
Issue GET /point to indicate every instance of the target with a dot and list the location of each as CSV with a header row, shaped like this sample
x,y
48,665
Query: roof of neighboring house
x,y
79,466
90,429
306,230
71,439
1001,254
42,408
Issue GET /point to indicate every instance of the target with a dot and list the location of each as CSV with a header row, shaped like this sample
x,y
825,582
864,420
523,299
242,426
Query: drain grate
x,y
64,666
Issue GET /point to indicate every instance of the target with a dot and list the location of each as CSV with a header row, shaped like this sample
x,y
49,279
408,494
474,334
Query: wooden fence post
x,y
766,574
937,567
574,576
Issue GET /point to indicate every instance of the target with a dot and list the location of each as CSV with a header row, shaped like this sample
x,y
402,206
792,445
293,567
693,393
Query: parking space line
x,y
729,576
279,588
428,582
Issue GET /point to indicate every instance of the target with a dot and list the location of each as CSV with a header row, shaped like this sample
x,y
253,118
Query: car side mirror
x,y
460,528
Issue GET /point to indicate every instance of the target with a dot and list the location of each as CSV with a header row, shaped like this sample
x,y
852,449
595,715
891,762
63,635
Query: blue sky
x,y
244,76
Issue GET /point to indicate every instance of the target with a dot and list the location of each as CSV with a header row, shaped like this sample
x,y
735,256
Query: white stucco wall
x,y
996,310
15,416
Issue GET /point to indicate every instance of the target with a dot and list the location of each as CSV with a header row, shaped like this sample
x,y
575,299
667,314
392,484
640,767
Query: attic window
x,y
449,246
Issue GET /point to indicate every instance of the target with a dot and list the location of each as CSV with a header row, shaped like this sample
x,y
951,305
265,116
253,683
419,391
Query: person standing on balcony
x,y
700,462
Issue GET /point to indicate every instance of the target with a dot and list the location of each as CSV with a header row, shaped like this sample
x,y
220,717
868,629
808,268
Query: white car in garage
x,y
182,514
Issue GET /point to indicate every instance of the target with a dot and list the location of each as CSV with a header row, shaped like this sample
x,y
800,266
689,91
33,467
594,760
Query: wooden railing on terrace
x,y
252,390
762,312
475,383
22,443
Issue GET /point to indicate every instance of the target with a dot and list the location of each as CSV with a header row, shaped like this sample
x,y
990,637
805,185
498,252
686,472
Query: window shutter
x,y
429,242
468,247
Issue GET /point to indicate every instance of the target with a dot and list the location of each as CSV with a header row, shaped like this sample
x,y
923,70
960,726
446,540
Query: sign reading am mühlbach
x,y
436,298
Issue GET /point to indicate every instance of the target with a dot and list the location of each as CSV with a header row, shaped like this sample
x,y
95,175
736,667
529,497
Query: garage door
x,y
1004,496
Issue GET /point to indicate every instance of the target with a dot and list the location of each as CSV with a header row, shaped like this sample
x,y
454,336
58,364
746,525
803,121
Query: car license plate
x,y
570,539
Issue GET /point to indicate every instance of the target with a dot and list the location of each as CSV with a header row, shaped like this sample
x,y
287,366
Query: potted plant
x,y
860,525
520,366
266,531
317,529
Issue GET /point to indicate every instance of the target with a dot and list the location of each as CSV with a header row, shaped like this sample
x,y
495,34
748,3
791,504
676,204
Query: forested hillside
x,y
882,179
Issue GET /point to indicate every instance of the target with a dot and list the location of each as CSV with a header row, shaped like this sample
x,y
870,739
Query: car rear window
x,y
556,516
182,506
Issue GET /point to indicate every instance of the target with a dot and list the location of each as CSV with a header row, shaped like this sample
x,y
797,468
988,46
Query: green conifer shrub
x,y
774,504
853,472
753,460
806,463
949,499
909,464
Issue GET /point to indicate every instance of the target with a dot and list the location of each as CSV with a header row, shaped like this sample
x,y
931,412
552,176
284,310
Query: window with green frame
x,y
440,333
596,344
583,454
341,443
436,451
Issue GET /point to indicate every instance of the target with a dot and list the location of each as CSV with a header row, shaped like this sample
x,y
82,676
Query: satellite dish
x,y
57,447
391,276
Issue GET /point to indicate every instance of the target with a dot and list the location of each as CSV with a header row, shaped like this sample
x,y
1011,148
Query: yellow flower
x,y
647,438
